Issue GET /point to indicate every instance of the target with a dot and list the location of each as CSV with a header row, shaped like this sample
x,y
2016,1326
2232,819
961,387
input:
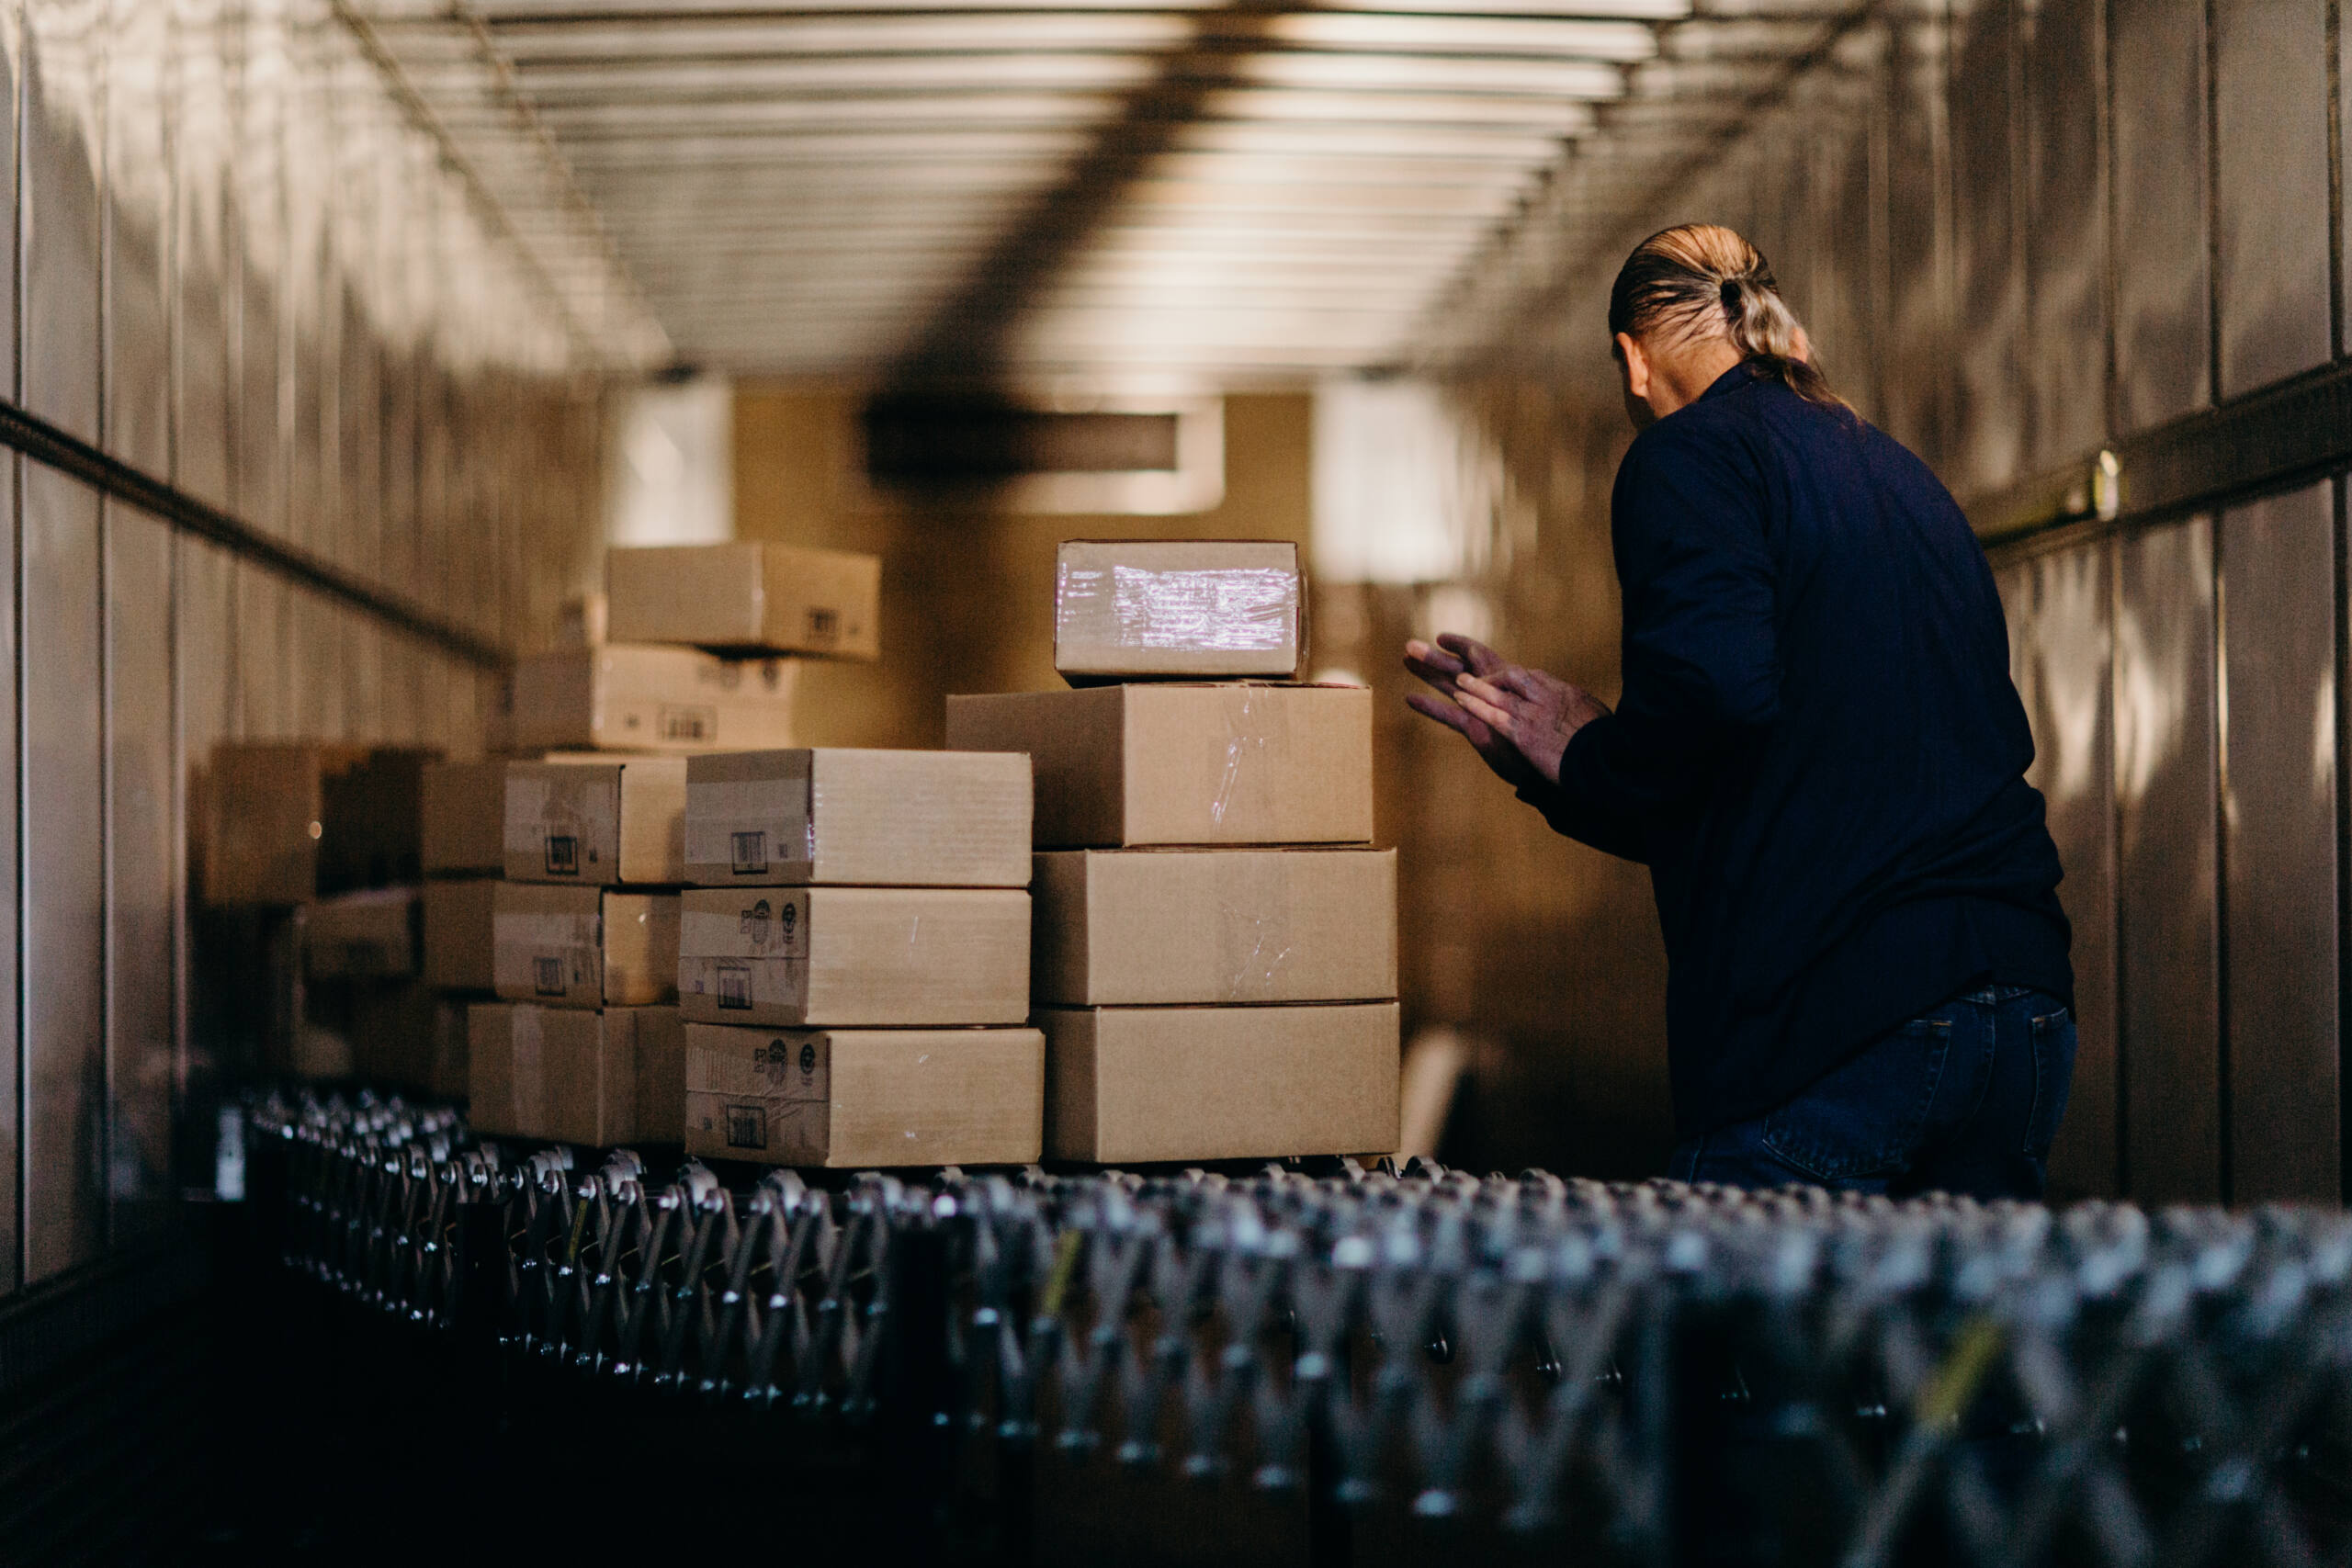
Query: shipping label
x,y
745,991
754,925
547,956
562,821
744,828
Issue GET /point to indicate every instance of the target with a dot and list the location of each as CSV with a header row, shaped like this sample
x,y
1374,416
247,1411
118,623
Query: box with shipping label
x,y
597,822
866,1097
1149,1084
747,596
372,935
884,818
457,934
561,1075
464,819
1177,609
284,822
816,956
1173,926
633,698
661,1076
1238,764
584,947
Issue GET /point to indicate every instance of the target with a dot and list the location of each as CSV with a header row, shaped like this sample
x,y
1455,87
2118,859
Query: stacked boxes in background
x,y
690,648
463,854
581,1045
1215,959
689,651
306,859
853,959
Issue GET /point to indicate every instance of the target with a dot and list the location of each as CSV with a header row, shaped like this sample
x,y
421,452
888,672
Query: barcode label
x,y
689,724
747,1127
735,987
563,854
824,625
547,976
751,857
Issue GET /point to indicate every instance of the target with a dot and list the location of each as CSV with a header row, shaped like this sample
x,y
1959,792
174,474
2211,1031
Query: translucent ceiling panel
x,y
791,186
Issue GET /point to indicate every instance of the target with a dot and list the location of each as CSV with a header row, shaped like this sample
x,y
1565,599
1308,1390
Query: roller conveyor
x,y
1647,1373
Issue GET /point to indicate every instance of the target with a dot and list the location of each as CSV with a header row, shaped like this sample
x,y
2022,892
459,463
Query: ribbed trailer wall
x,y
297,442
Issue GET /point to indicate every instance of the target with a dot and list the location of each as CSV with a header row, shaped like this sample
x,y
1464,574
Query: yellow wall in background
x,y
966,594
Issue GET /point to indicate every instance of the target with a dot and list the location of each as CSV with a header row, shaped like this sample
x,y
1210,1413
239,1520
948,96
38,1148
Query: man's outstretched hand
x,y
1520,721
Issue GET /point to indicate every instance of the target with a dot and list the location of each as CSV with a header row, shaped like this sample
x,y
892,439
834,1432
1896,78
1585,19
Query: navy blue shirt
x,y
1818,754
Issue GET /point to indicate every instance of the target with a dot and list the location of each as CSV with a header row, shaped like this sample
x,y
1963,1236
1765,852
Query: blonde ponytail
x,y
1701,281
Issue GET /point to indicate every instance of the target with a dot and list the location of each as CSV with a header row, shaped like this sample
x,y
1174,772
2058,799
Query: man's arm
x,y
1702,674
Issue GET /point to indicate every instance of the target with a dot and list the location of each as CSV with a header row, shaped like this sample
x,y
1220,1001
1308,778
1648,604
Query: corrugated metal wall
x,y
238,266
2020,233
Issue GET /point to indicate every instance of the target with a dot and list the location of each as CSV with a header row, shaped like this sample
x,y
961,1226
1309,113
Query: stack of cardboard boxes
x,y
581,1045
691,650
1216,945
306,859
855,959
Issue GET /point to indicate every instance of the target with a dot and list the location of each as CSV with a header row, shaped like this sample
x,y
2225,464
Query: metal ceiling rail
x,y
592,294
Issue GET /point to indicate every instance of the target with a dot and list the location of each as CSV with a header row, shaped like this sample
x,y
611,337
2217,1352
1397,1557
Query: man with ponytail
x,y
1819,754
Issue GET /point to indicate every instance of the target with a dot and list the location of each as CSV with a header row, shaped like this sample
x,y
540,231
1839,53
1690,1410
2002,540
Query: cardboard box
x,y
661,1076
464,818
819,956
1148,1084
584,947
448,1074
372,935
866,1097
748,596
581,622
316,1054
1165,927
1184,763
596,823
623,697
556,1074
884,818
393,1026
284,822
458,933
1182,609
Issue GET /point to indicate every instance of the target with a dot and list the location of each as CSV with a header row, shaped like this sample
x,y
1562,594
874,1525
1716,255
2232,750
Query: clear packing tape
x,y
1234,610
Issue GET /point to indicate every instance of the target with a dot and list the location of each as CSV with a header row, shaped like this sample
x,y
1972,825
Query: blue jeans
x,y
1965,1099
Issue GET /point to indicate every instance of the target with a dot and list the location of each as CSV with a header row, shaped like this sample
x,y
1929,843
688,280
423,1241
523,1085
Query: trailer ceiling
x,y
1122,194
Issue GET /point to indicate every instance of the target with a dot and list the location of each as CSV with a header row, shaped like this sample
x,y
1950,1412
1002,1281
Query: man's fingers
x,y
1457,718
1494,716
1532,684
1486,689
1437,675
1446,713
1474,653
1418,652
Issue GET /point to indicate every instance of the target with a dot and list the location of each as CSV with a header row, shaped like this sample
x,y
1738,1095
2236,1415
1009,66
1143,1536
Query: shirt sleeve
x,y
1702,665
1611,834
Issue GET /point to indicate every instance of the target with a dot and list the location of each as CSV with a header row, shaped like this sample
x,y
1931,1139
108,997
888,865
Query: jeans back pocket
x,y
2054,1079
1865,1116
